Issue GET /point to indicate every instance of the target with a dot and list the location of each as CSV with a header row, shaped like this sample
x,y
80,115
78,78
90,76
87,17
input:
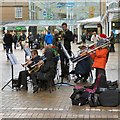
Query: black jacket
x,y
68,37
8,39
83,66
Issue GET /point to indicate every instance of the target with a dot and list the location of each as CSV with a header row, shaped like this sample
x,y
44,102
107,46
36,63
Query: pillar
x,y
79,32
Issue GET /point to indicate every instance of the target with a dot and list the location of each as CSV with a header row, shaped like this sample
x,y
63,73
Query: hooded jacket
x,y
49,38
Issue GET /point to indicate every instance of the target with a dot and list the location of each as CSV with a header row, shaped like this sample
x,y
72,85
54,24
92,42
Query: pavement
x,y
26,105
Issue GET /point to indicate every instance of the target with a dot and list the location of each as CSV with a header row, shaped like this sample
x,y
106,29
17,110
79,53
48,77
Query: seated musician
x,y
47,70
100,58
83,67
22,78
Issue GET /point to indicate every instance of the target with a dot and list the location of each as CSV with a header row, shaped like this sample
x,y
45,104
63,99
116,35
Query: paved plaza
x,y
25,104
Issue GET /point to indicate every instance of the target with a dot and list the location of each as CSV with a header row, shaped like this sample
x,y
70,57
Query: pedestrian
x,y
21,40
112,42
94,37
31,40
8,40
49,38
15,40
56,37
83,37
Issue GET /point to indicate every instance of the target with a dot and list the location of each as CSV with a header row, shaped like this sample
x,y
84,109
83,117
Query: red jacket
x,y
100,58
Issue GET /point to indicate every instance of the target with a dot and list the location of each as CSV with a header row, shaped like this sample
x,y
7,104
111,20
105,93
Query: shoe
x,y
76,80
35,89
84,80
72,72
24,88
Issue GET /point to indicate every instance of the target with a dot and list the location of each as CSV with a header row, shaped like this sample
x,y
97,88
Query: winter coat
x,y
68,37
49,39
83,66
112,40
100,58
8,39
48,70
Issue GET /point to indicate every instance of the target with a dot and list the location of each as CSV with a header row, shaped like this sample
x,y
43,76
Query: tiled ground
x,y
25,104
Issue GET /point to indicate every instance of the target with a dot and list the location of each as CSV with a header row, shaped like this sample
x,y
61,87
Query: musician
x,y
47,70
83,67
100,58
67,36
22,78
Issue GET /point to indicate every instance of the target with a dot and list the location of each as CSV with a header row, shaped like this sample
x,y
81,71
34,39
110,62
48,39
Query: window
x,y
18,12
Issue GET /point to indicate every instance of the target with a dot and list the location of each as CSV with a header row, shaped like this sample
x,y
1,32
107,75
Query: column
x,y
27,27
5,29
110,28
79,32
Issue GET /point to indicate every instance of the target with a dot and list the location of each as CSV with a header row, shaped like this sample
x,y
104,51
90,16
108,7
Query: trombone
x,y
86,53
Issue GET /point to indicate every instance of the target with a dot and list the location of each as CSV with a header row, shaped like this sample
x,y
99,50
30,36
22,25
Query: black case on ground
x,y
110,97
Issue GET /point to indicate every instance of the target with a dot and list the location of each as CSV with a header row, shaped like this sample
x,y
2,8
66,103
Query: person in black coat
x,y
83,67
47,70
22,78
67,36
8,40
15,40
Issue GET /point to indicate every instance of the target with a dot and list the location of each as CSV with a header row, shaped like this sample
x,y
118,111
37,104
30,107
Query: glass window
x,y
18,12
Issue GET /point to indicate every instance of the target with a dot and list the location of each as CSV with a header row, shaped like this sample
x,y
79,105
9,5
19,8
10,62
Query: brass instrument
x,y
87,53
36,67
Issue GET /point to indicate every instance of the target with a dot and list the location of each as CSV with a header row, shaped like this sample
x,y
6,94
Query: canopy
x,y
90,20
41,23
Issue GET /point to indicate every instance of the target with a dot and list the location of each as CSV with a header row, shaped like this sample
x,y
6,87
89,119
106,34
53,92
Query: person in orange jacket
x,y
100,58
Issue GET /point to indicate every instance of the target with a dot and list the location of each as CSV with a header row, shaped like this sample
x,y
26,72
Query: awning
x,y
90,20
42,23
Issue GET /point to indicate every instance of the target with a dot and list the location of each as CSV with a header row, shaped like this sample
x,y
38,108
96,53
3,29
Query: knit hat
x,y
103,36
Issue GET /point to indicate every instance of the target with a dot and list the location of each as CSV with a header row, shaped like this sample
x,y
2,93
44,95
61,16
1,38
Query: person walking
x,y
8,40
15,40
112,42
31,40
21,40
49,38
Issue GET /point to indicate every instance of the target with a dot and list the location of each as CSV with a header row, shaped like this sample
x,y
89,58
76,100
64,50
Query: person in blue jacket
x,y
49,38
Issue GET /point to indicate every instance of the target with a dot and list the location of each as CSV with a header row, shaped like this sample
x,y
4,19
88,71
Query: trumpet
x,y
36,67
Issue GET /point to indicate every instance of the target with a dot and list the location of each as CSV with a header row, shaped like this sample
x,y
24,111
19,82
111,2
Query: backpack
x,y
79,97
93,100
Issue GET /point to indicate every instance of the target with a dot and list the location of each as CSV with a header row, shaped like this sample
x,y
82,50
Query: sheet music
x,y
12,59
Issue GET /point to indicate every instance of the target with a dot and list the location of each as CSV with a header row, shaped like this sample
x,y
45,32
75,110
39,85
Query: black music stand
x,y
13,61
68,56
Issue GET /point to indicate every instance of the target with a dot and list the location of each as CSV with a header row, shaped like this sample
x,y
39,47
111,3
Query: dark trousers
x,y
64,65
34,78
15,44
21,45
112,48
30,44
100,71
22,79
7,50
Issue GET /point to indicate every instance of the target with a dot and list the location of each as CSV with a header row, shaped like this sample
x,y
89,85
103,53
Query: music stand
x,y
68,56
13,61
27,53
